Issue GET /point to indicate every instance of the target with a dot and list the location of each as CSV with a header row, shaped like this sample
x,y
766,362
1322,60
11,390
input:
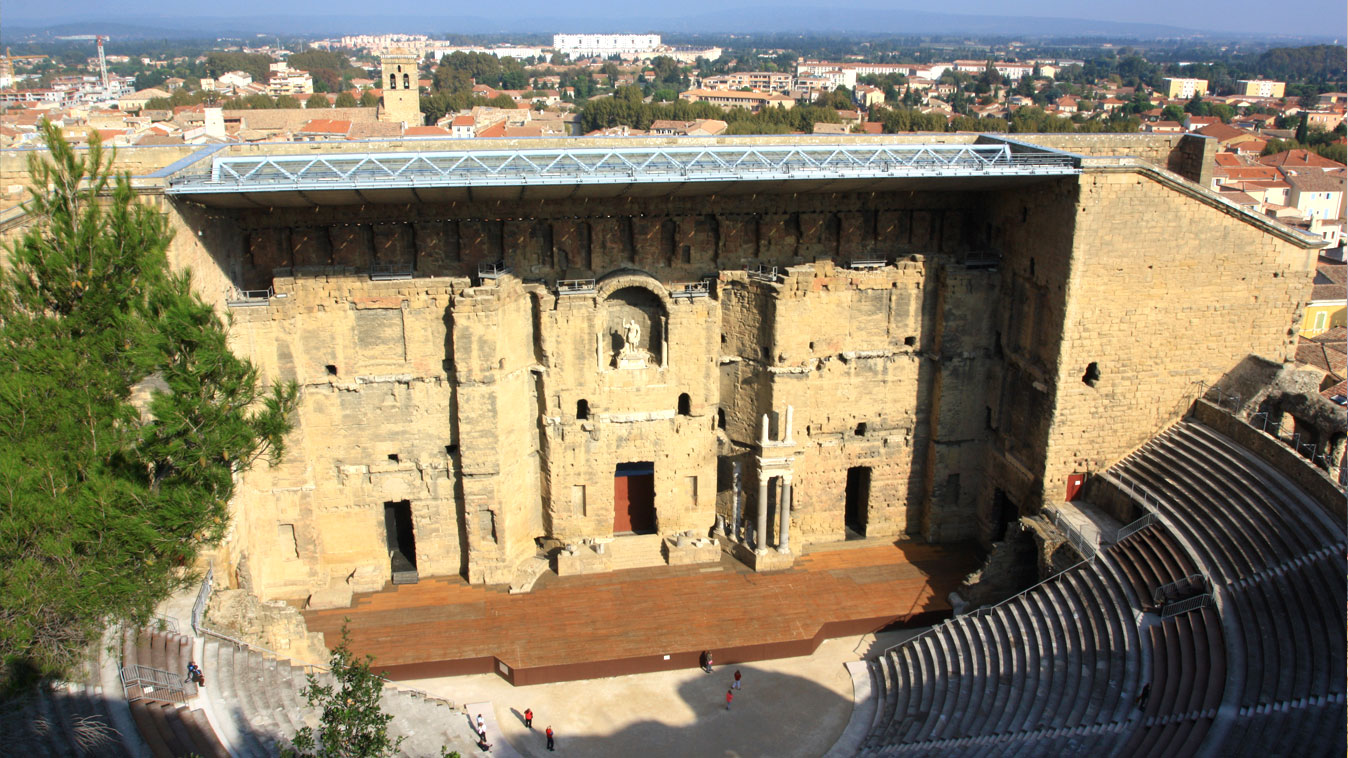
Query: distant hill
x,y
741,20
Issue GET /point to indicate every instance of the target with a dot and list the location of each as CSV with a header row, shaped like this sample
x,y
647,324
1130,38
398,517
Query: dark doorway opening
x,y
634,498
858,501
1004,511
401,541
685,405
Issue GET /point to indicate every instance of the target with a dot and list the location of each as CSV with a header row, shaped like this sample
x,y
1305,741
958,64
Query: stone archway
x,y
634,328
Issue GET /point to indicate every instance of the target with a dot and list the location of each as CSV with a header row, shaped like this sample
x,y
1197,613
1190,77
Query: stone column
x,y
784,507
761,531
736,521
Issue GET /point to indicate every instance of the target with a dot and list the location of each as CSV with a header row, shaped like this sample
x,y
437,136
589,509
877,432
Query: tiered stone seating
x,y
1277,559
257,705
1052,671
170,729
1055,671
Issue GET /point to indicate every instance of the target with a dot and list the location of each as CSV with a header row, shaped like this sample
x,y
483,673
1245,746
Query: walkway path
x,y
788,708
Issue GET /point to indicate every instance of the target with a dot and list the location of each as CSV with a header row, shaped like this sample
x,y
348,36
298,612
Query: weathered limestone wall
x,y
953,370
1189,155
633,414
370,361
847,356
204,241
1164,290
495,420
1033,232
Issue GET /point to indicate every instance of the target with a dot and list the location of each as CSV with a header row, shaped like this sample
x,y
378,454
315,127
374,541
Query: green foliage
x,y
346,100
368,99
257,66
327,69
1314,62
105,500
351,723
317,100
286,101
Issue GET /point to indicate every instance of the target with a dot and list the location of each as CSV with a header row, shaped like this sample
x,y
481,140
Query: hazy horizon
x,y
1313,18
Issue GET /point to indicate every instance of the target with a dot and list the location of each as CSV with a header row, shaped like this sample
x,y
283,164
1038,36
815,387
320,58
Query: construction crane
x,y
102,64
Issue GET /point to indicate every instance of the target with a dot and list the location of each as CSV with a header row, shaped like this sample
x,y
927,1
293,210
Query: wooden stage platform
x,y
649,619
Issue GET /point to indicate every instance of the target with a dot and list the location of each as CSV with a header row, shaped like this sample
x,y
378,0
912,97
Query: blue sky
x,y
1315,17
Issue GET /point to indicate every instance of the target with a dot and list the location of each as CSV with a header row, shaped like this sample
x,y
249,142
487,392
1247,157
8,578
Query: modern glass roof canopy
x,y
621,164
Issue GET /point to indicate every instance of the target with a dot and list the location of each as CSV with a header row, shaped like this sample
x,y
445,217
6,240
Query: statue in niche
x,y
632,355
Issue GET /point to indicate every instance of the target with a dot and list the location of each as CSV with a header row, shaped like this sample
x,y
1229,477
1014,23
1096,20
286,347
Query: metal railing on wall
x,y
1086,546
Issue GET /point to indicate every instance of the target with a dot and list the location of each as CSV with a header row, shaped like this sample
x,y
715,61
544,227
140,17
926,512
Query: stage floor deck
x,y
648,619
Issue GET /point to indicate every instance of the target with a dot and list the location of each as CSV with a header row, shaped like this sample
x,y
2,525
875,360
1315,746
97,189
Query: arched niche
x,y
635,322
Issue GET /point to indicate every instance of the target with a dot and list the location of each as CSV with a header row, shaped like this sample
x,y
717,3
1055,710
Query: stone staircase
x,y
170,727
636,551
257,706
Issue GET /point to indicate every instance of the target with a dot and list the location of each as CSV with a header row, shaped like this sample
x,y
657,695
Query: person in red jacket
x,y
529,718
729,695
550,742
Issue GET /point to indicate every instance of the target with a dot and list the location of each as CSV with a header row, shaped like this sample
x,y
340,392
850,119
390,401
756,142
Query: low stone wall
x,y
1276,454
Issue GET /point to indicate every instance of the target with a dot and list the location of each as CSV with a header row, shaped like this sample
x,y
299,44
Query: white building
x,y
438,52
604,45
285,80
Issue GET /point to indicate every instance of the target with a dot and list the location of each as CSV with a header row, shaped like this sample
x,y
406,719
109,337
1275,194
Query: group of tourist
x,y
481,726
705,660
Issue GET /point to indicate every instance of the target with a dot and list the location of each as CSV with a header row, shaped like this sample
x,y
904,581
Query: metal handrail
x,y
575,286
762,272
387,271
250,297
987,609
1159,594
203,598
867,265
167,622
1134,527
1075,536
146,683
691,289
492,270
1190,604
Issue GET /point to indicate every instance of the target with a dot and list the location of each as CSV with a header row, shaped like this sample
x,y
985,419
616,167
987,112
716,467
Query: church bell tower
x,y
402,98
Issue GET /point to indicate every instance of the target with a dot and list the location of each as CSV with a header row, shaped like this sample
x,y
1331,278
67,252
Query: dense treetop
x,y
126,415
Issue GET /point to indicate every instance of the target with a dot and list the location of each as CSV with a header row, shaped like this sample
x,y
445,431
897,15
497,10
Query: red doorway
x,y
634,498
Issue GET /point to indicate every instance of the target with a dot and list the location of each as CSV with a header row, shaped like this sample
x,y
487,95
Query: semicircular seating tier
x,y
1217,630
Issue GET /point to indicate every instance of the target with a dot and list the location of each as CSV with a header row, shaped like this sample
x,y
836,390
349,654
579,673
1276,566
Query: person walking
x,y
706,661
528,718
736,685
194,674
729,695
1142,697
551,744
481,725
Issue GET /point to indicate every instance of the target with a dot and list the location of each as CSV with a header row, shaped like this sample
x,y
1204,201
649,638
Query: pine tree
x,y
351,722
126,416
